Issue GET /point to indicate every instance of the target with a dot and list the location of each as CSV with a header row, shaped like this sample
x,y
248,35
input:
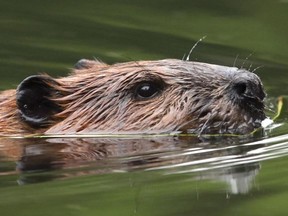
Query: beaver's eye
x,y
147,90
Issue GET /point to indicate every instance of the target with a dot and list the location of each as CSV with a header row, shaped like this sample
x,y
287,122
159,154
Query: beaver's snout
x,y
246,85
246,91
235,104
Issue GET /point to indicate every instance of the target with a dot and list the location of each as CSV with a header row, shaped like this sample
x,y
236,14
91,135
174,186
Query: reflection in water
x,y
239,178
223,159
46,36
236,168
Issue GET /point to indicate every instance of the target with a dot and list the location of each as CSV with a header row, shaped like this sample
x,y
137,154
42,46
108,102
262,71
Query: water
x,y
146,175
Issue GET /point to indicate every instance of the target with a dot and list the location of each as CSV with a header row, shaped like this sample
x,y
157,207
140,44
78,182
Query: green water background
x,y
51,36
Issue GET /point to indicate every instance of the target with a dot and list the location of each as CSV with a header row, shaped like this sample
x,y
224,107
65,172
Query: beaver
x,y
157,96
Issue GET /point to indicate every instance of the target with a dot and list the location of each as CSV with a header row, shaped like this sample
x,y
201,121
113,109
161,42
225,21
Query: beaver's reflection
x,y
168,154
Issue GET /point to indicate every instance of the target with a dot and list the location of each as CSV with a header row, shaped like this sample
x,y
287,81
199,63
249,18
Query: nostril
x,y
246,89
240,88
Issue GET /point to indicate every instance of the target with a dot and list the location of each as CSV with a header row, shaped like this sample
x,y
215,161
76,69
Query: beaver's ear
x,y
86,64
33,100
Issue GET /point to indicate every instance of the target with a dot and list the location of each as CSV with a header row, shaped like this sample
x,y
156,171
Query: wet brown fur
x,y
100,99
9,118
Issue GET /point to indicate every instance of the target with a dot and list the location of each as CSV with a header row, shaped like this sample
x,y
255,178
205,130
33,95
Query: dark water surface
x,y
148,175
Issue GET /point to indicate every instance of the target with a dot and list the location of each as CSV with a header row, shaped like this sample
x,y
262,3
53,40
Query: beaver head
x,y
144,97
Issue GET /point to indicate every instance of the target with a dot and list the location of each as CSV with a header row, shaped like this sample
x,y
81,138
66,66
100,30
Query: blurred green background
x,y
51,36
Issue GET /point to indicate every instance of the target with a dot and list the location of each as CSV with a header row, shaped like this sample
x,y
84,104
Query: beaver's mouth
x,y
233,118
242,123
238,124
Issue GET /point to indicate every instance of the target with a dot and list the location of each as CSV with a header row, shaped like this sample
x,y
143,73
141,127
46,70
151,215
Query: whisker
x,y
204,125
184,57
191,50
224,120
266,108
235,60
250,66
245,60
257,68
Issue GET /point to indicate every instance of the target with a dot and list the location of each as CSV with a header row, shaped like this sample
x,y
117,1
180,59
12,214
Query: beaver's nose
x,y
246,85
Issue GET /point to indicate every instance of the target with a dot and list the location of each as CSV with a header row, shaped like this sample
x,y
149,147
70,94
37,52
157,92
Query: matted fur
x,y
196,97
